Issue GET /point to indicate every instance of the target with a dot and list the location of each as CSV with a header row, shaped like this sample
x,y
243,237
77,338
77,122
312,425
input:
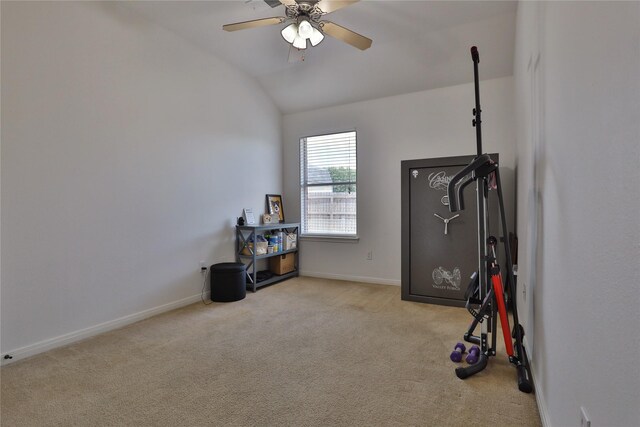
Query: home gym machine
x,y
486,294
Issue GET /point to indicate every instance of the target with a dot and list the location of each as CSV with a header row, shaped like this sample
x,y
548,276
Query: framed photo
x,y
249,219
269,219
274,206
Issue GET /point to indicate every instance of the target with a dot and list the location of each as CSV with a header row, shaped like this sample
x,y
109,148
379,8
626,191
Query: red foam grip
x,y
502,310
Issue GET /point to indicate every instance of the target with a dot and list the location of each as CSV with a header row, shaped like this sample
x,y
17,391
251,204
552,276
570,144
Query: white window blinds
x,y
328,179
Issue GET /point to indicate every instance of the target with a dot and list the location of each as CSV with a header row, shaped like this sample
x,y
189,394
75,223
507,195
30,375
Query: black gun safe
x,y
439,249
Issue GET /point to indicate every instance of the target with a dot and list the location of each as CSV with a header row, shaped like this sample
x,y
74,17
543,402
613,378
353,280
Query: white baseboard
x,y
348,278
540,400
51,343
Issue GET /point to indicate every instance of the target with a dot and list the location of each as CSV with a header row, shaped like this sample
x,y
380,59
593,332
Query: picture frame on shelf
x,y
275,207
249,218
270,219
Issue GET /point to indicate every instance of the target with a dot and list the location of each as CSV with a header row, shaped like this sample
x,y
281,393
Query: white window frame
x,y
327,237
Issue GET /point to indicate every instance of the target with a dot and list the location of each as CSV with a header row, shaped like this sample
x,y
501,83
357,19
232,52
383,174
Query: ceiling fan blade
x,y
347,36
254,24
288,2
328,6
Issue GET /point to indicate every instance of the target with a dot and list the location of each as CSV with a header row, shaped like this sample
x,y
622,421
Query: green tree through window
x,y
343,174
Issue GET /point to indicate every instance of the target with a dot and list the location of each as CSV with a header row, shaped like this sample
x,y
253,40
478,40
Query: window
x,y
328,185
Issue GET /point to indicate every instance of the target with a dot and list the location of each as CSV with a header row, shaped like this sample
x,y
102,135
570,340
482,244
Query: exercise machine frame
x,y
485,294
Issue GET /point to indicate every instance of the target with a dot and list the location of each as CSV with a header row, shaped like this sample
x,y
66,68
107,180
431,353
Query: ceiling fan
x,y
308,24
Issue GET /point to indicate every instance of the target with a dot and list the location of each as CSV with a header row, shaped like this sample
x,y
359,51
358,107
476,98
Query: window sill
x,y
329,238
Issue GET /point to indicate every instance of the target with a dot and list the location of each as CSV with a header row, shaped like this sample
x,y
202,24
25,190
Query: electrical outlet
x,y
369,255
584,418
203,266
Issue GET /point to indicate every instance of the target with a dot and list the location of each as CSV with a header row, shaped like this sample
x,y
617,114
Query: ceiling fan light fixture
x,y
305,29
290,32
304,17
300,43
316,37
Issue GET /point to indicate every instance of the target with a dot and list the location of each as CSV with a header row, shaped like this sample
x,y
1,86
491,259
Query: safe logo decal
x,y
445,279
439,180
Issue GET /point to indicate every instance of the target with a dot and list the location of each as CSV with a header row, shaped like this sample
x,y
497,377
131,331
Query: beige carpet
x,y
305,352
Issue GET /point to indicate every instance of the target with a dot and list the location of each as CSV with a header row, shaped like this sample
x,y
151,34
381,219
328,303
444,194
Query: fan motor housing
x,y
307,8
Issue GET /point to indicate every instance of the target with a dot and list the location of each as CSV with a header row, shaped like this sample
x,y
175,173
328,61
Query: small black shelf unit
x,y
246,233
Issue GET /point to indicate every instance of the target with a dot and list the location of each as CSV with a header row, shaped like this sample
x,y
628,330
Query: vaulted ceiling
x,y
417,45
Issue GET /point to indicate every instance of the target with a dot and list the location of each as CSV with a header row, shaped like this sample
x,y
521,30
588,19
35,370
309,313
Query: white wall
x,y
578,200
126,152
434,123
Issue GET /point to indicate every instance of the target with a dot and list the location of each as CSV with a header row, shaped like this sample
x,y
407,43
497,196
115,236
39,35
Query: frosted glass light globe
x,y
300,43
316,37
305,29
290,33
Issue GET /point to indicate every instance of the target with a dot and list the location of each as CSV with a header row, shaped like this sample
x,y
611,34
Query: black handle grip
x,y
474,54
454,197
524,382
461,188
466,372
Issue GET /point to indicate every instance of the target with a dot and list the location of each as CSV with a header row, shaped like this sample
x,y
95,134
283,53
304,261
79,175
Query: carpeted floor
x,y
305,352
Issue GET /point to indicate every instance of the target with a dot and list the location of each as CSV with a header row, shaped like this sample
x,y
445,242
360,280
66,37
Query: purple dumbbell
x,y
456,354
474,353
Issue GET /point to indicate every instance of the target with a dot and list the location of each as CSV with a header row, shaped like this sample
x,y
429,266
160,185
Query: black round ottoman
x,y
228,282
